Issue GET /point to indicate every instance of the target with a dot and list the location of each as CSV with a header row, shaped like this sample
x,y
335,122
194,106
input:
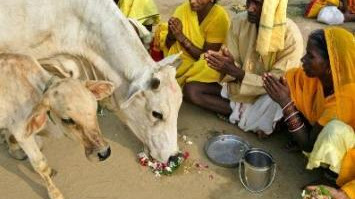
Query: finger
x,y
275,83
215,63
311,188
226,51
284,81
271,84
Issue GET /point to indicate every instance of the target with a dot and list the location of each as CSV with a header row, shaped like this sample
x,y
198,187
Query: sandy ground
x,y
121,177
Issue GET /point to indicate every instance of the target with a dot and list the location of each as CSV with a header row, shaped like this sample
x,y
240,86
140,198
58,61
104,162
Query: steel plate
x,y
226,150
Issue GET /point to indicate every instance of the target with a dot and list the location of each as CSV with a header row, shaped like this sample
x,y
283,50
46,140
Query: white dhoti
x,y
262,115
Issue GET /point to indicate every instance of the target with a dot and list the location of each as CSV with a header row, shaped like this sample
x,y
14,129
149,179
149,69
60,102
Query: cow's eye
x,y
157,115
68,121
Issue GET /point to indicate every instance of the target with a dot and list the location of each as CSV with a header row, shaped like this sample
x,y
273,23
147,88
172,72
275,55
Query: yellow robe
x,y
144,11
346,177
213,29
241,42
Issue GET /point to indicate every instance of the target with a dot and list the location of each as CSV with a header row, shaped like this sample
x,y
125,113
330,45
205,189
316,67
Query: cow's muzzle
x,y
104,154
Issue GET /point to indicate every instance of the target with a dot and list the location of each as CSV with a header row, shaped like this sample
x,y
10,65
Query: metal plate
x,y
226,150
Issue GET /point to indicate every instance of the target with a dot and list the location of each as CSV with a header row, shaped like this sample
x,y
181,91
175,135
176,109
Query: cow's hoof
x,y
53,173
18,154
55,195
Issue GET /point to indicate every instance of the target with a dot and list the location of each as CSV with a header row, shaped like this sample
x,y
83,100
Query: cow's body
x,y
29,93
97,31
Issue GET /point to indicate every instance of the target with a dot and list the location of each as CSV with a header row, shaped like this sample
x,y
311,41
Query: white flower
x,y
189,143
303,193
168,169
142,155
184,138
157,174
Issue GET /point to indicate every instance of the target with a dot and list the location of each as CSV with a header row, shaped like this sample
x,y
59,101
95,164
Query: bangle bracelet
x,y
288,104
297,129
292,114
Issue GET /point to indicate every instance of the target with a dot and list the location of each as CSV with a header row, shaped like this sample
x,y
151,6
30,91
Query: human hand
x,y
334,193
278,90
175,27
223,62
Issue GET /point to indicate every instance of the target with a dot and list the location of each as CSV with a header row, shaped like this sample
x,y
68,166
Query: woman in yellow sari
x,y
196,27
318,102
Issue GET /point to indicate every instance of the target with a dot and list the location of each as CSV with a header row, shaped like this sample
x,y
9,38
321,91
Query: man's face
x,y
254,8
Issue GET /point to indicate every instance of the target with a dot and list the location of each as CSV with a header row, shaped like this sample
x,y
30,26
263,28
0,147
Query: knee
x,y
192,93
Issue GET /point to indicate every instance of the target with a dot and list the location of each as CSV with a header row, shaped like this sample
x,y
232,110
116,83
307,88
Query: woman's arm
x,y
175,34
303,133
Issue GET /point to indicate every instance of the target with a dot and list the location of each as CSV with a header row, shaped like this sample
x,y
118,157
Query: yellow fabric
x,y
332,143
307,93
212,29
144,11
341,50
346,179
241,42
272,27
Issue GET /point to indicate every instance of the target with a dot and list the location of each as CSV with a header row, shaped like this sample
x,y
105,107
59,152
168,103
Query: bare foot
x,y
261,135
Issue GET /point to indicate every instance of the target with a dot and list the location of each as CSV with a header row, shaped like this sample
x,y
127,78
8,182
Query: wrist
x,y
285,102
238,73
342,194
180,38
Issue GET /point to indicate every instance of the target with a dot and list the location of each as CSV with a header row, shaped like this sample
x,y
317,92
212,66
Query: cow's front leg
x,y
40,165
15,150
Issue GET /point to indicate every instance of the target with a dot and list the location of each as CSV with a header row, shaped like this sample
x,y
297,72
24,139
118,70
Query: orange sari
x,y
307,93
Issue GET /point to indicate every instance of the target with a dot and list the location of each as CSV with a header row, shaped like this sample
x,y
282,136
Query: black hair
x,y
215,1
318,39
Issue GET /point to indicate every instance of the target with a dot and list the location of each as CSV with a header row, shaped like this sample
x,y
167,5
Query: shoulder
x,y
182,6
238,19
219,15
293,33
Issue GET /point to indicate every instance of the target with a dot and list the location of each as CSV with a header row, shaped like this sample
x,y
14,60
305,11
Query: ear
x,y
172,60
37,119
101,89
132,92
55,67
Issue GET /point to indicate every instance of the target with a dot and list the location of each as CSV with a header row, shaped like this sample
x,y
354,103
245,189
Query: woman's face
x,y
197,5
314,64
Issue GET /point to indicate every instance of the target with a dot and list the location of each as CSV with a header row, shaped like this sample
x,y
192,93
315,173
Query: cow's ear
x,y
55,67
100,89
37,119
172,60
132,92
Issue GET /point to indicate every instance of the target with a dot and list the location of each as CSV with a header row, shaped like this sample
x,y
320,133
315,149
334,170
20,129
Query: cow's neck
x,y
111,37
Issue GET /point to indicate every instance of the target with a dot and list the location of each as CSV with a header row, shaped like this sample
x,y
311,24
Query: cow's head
x,y
152,111
72,104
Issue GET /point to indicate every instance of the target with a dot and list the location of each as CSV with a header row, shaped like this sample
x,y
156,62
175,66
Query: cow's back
x,y
20,87
31,26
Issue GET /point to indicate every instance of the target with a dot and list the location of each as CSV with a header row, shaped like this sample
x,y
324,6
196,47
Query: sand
x,y
121,177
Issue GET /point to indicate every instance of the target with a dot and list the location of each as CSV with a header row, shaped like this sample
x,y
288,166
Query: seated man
x,y
256,43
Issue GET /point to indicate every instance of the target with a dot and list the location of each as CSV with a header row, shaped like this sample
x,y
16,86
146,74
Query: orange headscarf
x,y
307,93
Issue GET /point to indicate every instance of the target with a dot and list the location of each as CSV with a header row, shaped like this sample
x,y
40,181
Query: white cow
x,y
29,95
148,98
